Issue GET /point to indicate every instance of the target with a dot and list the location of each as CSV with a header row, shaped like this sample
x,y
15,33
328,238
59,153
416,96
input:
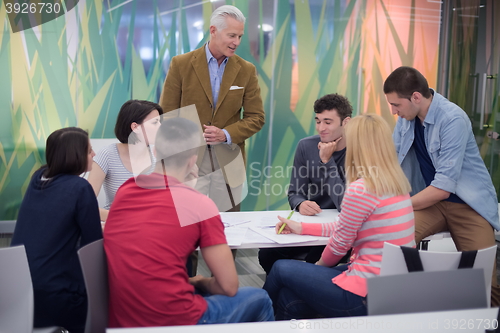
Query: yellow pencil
x,y
284,224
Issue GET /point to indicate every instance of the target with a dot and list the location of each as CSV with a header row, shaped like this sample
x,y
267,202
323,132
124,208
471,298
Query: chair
x,y
95,273
424,243
459,289
16,293
98,144
393,262
6,232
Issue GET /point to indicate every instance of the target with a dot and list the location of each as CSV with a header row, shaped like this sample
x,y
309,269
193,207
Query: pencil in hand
x,y
284,224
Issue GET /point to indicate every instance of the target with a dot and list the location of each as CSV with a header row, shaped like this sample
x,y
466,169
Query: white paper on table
x,y
231,221
322,217
235,236
268,221
256,238
271,234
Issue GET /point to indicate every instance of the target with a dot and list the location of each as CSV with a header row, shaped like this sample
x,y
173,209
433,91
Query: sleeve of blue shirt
x,y
451,154
228,137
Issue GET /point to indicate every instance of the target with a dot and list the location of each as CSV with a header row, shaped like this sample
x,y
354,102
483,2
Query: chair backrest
x,y
16,291
426,292
98,144
95,273
393,262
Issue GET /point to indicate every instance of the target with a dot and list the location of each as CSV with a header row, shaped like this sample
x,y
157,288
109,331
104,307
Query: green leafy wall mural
x,y
78,69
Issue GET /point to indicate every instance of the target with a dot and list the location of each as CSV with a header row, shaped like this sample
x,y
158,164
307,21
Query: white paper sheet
x,y
254,237
231,221
235,236
268,221
270,233
322,217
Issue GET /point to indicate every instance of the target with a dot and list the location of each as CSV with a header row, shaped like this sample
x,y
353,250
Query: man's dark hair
x,y
133,111
66,152
405,81
177,140
334,101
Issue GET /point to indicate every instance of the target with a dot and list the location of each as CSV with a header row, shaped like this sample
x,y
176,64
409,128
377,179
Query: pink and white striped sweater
x,y
365,223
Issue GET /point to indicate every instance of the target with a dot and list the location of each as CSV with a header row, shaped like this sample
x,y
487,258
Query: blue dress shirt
x,y
216,73
454,153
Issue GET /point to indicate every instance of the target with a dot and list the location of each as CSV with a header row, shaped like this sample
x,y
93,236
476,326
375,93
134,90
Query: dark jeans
x,y
268,256
300,290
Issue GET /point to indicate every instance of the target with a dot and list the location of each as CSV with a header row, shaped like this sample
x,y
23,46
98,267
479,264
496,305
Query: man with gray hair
x,y
225,90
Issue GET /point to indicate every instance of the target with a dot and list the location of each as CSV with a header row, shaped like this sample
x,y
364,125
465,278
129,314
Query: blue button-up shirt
x,y
216,72
454,153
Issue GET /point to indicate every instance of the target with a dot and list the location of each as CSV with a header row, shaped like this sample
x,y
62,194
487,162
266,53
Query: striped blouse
x,y
365,223
111,164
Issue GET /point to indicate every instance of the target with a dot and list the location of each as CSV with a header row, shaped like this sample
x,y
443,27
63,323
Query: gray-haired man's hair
x,y
218,18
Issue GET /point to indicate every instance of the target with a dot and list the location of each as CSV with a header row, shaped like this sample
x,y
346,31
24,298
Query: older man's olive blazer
x,y
188,82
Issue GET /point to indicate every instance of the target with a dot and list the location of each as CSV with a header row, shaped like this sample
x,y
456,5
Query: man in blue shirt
x,y
451,187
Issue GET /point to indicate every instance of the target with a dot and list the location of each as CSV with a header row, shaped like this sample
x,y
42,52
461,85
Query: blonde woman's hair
x,y
371,155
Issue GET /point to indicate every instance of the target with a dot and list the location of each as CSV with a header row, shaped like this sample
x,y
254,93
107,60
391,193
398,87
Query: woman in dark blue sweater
x,y
58,215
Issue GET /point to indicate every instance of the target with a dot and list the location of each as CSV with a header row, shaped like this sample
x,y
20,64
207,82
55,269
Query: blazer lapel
x,y
200,67
230,73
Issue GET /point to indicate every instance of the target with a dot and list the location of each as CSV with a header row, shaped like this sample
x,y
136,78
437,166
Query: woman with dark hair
x,y
136,126
58,215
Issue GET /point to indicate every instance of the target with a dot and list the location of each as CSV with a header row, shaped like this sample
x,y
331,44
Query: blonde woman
x,y
376,208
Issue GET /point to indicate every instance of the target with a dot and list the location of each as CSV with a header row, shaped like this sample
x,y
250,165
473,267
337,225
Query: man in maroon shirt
x,y
155,222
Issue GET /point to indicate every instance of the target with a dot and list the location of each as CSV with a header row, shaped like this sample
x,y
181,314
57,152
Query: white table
x,y
443,321
253,240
